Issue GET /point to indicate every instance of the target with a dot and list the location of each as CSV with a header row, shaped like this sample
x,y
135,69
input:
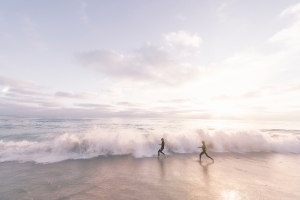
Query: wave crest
x,y
137,143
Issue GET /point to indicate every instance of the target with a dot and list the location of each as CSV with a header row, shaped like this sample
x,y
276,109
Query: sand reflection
x,y
205,168
206,179
162,167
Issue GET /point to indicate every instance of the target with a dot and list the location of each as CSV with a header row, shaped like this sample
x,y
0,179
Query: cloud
x,y
20,88
95,110
288,36
292,10
43,102
221,12
295,87
147,64
49,104
183,38
94,106
130,104
257,78
153,56
74,95
32,101
185,44
222,7
5,89
221,98
116,65
24,95
7,81
176,101
25,91
181,17
84,16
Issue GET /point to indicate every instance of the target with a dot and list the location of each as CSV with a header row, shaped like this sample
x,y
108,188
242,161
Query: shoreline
x,y
180,176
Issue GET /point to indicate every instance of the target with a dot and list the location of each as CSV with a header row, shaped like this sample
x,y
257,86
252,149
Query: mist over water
x,y
47,140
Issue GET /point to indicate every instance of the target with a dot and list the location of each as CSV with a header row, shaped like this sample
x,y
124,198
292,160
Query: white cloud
x,y
176,101
221,12
148,64
222,7
256,79
183,38
181,17
291,11
289,36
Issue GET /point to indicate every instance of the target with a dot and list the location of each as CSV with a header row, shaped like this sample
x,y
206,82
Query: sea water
x,y
49,140
64,158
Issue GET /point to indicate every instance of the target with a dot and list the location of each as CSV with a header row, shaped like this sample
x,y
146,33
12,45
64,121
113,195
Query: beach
x,y
180,176
65,158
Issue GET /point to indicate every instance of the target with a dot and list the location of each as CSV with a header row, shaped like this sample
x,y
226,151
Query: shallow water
x,y
232,176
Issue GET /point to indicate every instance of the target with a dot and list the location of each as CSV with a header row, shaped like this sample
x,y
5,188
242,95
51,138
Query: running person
x,y
162,147
204,151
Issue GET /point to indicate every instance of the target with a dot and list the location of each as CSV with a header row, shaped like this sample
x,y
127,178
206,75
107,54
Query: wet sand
x,y
180,176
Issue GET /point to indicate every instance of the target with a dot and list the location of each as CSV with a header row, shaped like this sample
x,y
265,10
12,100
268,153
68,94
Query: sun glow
x,y
230,195
5,89
224,108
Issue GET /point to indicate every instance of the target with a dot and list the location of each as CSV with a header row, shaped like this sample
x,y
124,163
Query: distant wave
x,y
138,144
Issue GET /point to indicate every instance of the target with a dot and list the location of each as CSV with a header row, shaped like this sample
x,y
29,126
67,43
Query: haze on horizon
x,y
168,59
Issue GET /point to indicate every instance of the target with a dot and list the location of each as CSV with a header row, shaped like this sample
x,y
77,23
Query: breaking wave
x,y
139,144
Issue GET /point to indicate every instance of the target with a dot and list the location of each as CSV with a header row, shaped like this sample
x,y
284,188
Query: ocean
x,y
65,158
48,140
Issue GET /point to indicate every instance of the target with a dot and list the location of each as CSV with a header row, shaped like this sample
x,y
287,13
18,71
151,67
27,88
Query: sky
x,y
202,59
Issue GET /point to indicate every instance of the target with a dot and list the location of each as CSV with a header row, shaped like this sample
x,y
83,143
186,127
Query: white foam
x,y
134,142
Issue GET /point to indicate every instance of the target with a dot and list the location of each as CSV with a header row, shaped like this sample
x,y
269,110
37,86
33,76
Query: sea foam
x,y
104,142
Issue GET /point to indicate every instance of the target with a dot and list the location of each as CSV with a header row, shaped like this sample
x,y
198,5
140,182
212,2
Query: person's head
x,y
203,142
162,139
